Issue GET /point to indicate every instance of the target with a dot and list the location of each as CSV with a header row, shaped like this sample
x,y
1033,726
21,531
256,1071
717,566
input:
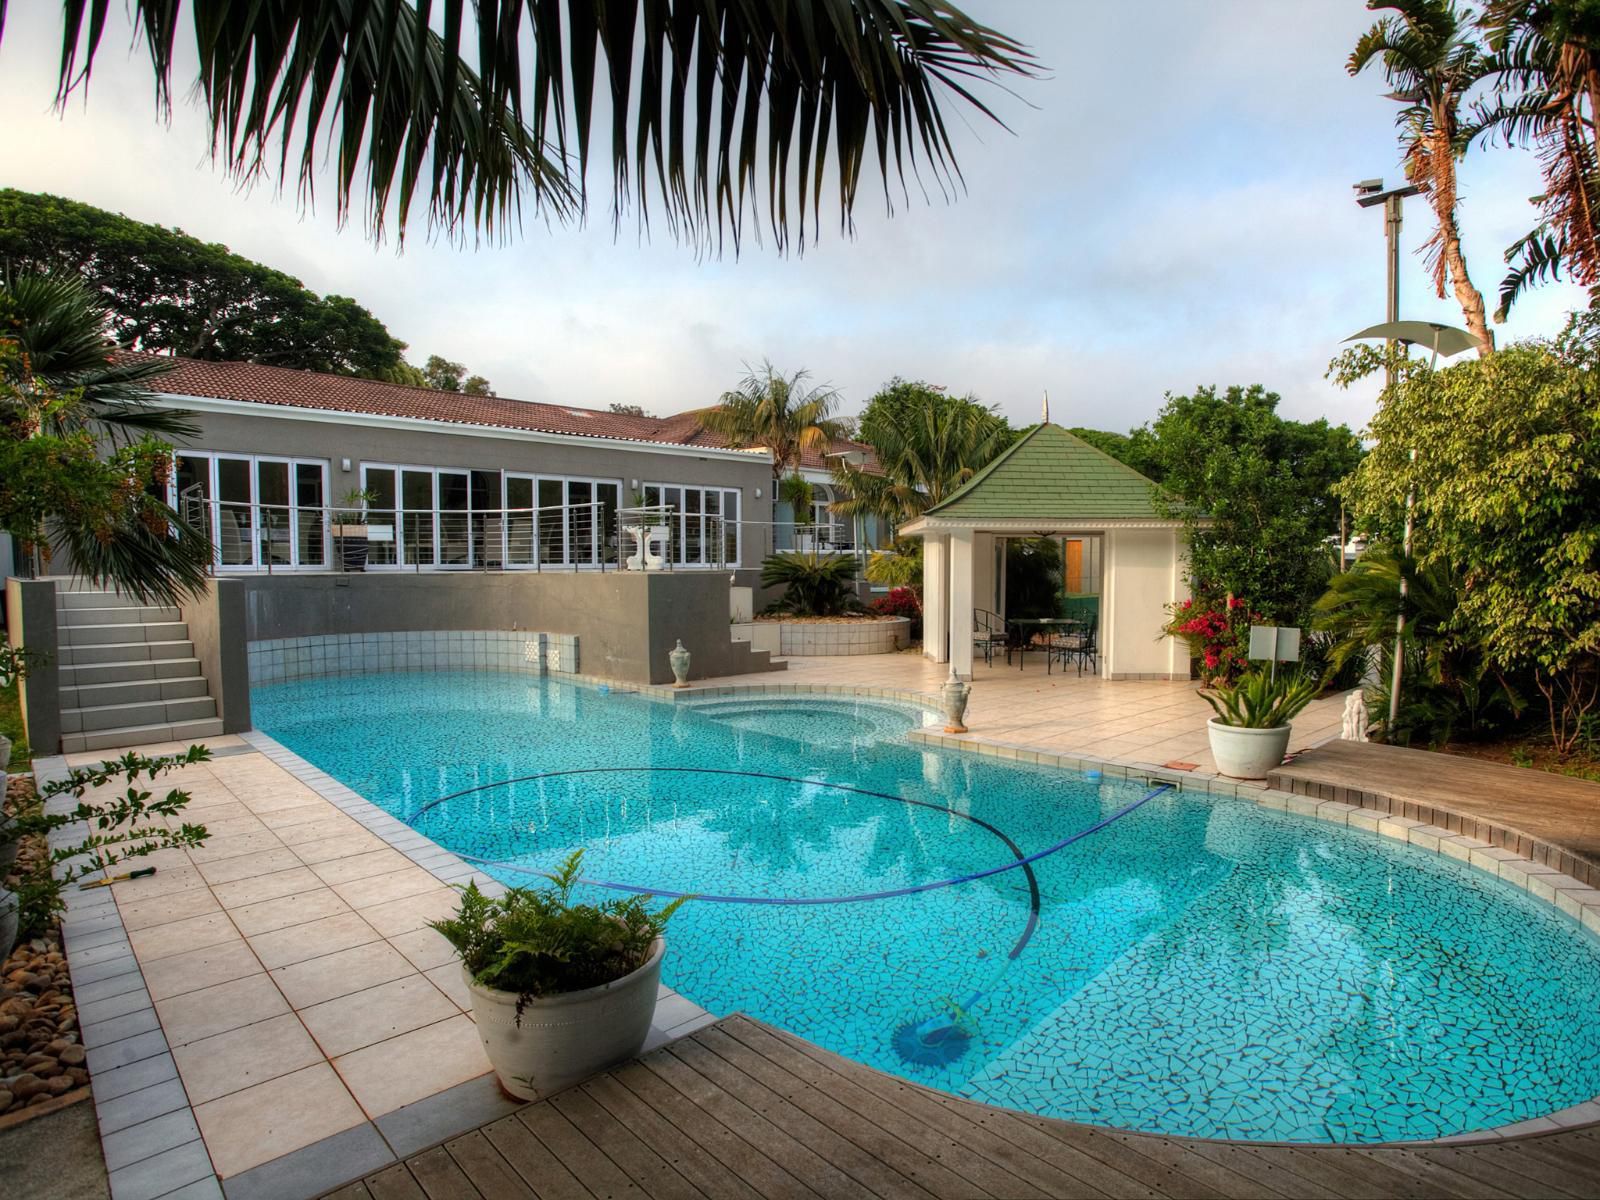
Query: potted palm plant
x,y
350,527
559,990
1250,733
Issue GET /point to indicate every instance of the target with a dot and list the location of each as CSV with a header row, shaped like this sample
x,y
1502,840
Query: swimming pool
x,y
1169,962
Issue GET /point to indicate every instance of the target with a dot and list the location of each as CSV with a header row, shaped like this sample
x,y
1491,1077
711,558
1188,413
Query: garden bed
x,y
42,1057
839,635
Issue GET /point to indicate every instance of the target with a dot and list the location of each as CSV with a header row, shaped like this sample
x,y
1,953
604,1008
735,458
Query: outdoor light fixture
x,y
344,464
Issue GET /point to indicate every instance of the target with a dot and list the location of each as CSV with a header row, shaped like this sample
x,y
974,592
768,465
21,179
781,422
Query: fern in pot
x,y
559,990
1250,733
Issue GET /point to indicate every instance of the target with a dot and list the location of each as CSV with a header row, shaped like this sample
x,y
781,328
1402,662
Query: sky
x,y
1170,206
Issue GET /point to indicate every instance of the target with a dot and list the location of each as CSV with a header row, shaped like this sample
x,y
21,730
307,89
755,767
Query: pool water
x,y
1176,963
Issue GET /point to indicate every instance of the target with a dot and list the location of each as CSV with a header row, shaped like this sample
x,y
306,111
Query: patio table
x,y
1028,626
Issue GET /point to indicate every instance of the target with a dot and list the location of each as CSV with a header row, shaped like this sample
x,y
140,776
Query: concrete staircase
x,y
129,675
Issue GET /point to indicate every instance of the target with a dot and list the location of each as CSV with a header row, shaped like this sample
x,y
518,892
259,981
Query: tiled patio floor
x,y
1149,722
279,981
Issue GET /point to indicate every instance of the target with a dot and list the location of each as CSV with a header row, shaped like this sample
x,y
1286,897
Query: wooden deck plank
x,y
1519,1174
701,1128
394,1183
578,1154
532,1160
1372,1176
772,1140
440,1177
1445,1179
964,1127
983,1176
928,1173
742,1111
1092,1176
654,1175
705,1171
490,1173
872,1172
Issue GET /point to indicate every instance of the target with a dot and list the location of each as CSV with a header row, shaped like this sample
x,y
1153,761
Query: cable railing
x,y
255,536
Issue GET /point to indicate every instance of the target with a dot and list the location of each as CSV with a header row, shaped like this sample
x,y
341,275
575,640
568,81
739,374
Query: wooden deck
x,y
1549,818
741,1111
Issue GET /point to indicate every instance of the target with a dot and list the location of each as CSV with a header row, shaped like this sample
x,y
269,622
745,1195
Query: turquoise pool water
x,y
1183,964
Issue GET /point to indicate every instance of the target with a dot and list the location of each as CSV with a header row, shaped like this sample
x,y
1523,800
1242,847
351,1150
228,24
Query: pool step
x,y
128,674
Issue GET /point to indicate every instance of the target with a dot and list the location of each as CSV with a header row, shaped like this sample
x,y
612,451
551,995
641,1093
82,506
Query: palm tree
x,y
927,444
1431,58
1544,62
704,96
79,467
780,413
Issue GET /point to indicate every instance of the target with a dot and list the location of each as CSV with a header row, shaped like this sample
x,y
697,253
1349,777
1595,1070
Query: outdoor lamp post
x,y
1449,341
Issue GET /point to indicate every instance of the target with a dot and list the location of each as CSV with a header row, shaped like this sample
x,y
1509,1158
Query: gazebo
x,y
1119,553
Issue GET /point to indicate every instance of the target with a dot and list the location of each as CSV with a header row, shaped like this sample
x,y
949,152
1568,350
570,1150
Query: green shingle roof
x,y
1051,475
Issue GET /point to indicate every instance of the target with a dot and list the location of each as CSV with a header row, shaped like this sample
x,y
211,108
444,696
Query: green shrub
x,y
1258,701
536,942
130,825
815,585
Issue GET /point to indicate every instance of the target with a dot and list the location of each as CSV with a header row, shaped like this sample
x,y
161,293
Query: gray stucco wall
x,y
626,622
217,627
31,621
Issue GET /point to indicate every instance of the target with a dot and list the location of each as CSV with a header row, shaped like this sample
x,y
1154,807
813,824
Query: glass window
x,y
704,523
581,523
519,520
309,528
416,499
551,520
273,528
382,545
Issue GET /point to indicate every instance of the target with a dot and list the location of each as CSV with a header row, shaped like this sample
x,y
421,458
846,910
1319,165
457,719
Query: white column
x,y
935,593
961,566
1108,605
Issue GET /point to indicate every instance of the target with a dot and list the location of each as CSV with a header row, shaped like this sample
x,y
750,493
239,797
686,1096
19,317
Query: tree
x,y
628,410
171,293
441,374
1545,65
927,444
703,96
1506,485
783,414
477,385
1255,492
1431,58
80,467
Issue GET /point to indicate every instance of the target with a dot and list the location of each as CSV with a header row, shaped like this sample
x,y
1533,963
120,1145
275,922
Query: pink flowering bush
x,y
1218,633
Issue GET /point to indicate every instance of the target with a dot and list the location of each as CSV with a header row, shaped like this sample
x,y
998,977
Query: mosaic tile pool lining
x,y
1201,966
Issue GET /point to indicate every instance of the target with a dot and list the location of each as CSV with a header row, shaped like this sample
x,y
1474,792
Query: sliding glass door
x,y
261,513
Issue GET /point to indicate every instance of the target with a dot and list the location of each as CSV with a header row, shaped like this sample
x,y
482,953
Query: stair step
x,y
123,652
120,615
141,735
134,691
93,599
92,674
99,635
151,712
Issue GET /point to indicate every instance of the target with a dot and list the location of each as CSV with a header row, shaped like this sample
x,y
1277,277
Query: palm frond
x,y
708,99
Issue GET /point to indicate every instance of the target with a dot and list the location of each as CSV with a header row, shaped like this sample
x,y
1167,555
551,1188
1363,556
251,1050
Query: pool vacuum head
x,y
937,1042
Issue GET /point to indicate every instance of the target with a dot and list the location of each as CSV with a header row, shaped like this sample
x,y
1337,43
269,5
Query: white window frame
x,y
214,504
680,541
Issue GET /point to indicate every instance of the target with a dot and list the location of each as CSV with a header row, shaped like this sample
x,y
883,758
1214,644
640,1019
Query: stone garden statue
x,y
1355,717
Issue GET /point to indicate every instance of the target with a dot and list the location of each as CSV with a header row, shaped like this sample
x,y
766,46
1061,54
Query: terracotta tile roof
x,y
254,383
281,386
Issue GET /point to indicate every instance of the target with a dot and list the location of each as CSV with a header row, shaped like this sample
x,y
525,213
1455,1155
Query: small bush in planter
x,y
1258,701
536,943
815,584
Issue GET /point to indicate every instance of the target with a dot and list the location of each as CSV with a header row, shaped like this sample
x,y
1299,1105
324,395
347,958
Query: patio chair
x,y
988,632
1083,646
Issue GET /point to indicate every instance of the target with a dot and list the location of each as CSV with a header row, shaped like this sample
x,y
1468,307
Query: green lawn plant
x,y
131,824
1257,700
535,942
815,584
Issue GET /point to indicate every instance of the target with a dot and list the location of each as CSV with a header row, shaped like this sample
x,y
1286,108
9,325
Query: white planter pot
x,y
562,1040
1247,753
